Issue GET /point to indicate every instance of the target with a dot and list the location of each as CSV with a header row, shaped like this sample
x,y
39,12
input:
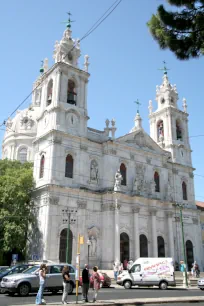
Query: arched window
x,y
42,166
69,166
160,130
156,180
49,92
63,246
184,190
161,246
71,92
124,247
178,130
123,173
22,155
143,246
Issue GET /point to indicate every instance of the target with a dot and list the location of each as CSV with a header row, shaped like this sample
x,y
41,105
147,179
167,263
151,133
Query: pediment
x,y
140,139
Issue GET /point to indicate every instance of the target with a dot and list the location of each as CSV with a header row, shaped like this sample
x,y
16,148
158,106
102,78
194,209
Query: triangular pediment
x,y
140,139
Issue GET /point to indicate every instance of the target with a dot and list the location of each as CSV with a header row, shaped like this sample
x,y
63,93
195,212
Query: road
x,y
108,294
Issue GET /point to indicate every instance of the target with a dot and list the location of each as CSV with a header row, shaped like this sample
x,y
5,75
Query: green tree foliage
x,y
182,31
16,207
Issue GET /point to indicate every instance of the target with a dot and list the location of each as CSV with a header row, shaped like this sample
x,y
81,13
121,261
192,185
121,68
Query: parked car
x,y
3,268
28,281
105,280
13,270
201,283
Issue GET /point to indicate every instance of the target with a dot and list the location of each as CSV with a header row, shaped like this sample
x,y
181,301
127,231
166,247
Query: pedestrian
x,y
66,281
42,276
120,268
96,283
130,263
85,283
125,263
196,269
115,270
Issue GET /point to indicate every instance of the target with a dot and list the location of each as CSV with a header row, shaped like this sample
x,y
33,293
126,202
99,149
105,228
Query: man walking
x,y
85,283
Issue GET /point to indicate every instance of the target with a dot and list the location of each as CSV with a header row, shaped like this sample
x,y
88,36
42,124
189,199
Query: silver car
x,y
28,281
201,283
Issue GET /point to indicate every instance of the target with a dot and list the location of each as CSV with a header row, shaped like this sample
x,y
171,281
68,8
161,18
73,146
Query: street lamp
x,y
69,221
88,243
181,206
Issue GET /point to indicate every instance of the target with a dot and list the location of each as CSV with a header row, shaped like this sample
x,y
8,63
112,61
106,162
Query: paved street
x,y
107,294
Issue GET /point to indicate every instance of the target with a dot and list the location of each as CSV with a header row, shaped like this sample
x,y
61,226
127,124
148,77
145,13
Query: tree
x,y
183,31
16,206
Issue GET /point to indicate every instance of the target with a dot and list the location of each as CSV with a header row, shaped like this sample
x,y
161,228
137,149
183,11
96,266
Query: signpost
x,y
80,240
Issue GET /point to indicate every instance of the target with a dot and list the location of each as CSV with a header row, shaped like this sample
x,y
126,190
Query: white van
x,y
149,272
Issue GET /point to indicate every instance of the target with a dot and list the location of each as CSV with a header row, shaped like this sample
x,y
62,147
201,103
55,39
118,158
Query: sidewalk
x,y
139,301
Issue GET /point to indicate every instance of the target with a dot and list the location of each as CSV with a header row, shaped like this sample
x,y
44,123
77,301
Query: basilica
x,y
121,194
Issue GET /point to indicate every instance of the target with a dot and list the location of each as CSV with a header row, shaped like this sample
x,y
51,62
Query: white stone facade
x,y
55,134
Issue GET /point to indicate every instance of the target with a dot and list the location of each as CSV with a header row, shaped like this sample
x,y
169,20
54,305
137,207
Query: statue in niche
x,y
139,181
118,180
93,246
169,190
161,131
94,171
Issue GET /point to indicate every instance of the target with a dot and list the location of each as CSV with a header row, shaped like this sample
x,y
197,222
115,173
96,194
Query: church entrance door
x,y
189,254
124,247
63,246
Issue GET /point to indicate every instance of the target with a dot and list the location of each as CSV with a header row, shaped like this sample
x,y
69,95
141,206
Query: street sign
x,y
81,239
15,257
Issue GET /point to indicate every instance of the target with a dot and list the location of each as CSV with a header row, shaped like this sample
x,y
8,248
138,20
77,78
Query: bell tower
x,y
169,124
62,90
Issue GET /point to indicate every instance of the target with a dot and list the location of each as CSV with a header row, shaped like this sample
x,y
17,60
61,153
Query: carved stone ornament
x,y
82,204
25,121
132,157
83,147
191,175
195,221
175,171
136,210
148,160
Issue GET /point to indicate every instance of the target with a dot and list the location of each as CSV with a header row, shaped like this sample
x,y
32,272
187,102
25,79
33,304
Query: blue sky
x,y
124,62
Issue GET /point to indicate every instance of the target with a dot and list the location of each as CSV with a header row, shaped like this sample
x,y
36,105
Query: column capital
x,y
135,210
153,211
169,214
116,206
81,204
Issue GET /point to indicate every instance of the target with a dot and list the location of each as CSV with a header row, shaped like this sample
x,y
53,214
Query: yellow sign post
x,y
80,241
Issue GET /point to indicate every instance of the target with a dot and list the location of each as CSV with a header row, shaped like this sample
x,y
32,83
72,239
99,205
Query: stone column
x,y
153,213
170,234
117,226
58,87
135,211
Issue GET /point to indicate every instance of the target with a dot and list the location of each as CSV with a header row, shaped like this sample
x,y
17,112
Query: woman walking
x,y
66,280
42,276
96,283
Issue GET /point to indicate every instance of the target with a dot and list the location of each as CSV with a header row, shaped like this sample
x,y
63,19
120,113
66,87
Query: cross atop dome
x,y
165,69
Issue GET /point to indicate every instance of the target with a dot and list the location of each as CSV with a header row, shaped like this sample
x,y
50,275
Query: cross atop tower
x,y
138,105
165,69
69,21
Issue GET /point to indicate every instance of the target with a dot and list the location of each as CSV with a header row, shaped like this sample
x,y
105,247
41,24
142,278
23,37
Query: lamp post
x,y
88,243
69,221
181,206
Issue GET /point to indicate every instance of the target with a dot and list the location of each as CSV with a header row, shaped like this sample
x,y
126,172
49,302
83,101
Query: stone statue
x,y
139,181
94,171
169,191
86,63
118,180
93,246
